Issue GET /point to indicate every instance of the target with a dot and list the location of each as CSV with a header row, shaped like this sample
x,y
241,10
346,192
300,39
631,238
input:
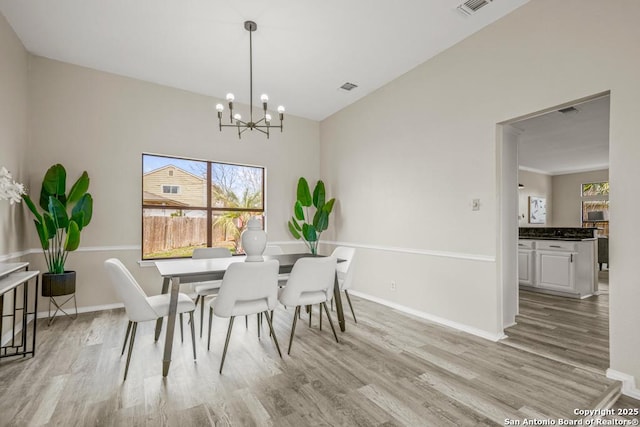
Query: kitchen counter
x,y
568,239
557,233
560,265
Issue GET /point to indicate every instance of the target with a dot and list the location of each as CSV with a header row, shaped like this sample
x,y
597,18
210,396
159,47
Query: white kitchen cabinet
x,y
560,267
556,270
525,262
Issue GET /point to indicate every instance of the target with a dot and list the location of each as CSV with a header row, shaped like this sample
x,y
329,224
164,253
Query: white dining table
x,y
188,270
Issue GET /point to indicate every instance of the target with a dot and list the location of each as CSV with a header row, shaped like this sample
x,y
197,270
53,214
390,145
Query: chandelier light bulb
x,y
219,107
267,118
264,97
230,97
280,109
237,116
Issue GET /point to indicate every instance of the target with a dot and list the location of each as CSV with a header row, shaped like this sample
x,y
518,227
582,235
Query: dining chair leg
x,y
320,310
271,319
133,338
193,334
181,329
246,321
197,299
258,323
201,315
210,320
293,327
126,337
326,309
350,306
226,343
310,310
273,333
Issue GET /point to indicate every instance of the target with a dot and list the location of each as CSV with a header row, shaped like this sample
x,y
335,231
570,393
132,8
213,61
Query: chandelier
x,y
235,120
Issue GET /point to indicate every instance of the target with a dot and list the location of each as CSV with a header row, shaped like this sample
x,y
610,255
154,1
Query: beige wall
x,y
538,185
567,196
424,146
100,122
13,133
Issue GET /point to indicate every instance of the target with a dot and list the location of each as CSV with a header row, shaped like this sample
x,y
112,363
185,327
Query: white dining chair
x,y
310,282
210,288
344,272
277,250
247,288
141,308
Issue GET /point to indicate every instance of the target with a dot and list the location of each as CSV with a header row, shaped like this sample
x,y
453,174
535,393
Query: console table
x,y
14,284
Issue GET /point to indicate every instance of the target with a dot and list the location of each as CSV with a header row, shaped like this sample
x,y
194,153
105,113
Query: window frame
x,y
603,198
209,209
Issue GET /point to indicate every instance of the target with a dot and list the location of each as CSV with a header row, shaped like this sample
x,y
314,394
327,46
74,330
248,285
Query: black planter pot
x,y
54,285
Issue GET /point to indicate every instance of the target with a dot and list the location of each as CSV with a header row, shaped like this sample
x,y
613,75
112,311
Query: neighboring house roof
x,y
149,198
174,167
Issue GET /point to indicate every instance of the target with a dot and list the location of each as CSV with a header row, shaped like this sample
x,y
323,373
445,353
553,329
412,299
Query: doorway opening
x,y
557,161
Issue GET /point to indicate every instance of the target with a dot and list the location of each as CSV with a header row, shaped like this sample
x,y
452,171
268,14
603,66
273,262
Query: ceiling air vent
x,y
568,110
348,86
471,6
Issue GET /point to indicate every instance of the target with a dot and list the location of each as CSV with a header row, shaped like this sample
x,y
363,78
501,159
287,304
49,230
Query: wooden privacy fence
x,y
161,233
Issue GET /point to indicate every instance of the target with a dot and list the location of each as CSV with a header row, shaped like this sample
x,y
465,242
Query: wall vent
x,y
348,86
471,6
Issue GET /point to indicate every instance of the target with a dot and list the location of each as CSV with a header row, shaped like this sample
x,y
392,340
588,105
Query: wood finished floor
x,y
390,369
570,330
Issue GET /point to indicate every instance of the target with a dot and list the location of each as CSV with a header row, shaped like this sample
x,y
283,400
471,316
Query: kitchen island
x,y
559,261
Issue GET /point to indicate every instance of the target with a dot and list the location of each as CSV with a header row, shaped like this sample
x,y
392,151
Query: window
x,y
595,206
194,203
171,189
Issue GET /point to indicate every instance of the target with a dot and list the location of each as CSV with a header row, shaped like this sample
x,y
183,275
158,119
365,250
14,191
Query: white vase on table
x,y
254,240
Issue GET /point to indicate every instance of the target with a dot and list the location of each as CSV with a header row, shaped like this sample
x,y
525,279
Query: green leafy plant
x,y
305,226
63,216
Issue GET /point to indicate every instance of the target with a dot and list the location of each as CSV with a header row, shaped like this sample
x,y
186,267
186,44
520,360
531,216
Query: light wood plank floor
x,y
390,369
570,330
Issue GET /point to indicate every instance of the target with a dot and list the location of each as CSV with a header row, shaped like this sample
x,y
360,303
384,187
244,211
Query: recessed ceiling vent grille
x,y
471,6
348,86
568,110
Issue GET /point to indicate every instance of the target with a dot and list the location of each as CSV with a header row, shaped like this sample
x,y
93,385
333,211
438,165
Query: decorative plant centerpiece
x,y
59,225
305,223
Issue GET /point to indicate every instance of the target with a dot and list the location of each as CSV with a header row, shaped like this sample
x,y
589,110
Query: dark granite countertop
x,y
568,239
557,233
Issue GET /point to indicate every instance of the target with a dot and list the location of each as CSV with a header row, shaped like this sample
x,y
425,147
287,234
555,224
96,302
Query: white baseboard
x,y
436,319
69,309
6,337
628,383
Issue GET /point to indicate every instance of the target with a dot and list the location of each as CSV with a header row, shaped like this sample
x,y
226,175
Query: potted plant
x,y
305,226
59,225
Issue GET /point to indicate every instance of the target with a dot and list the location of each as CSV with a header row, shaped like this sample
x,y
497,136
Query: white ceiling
x,y
302,51
557,143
